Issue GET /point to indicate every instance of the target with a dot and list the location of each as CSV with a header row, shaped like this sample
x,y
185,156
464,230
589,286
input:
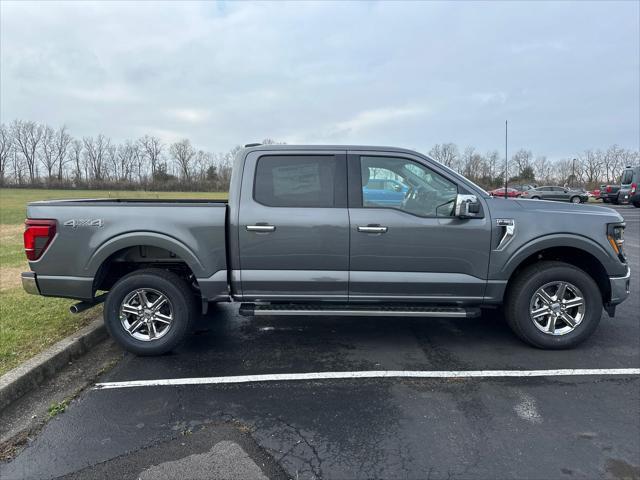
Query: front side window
x,y
409,186
296,181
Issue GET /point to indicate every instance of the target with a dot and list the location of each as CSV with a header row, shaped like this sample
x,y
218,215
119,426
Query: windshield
x,y
627,177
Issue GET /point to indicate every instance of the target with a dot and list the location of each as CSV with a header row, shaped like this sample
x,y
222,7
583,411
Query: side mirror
x,y
467,206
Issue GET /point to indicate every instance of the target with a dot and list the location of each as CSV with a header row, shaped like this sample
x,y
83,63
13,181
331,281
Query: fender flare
x,y
555,241
151,239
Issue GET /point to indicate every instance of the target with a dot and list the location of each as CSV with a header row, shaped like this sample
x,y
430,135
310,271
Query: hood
x,y
549,207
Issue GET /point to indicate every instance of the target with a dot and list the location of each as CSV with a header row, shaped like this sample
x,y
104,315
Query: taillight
x,y
634,186
608,188
38,235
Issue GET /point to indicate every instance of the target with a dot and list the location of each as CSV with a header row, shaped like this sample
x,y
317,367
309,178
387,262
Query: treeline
x,y
589,168
36,155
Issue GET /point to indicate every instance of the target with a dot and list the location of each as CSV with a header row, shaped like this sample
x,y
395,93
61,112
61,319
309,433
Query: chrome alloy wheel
x,y
557,308
146,314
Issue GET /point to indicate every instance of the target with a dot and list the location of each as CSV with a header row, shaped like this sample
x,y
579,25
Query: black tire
x,y
573,199
535,198
181,299
636,204
522,290
605,200
615,201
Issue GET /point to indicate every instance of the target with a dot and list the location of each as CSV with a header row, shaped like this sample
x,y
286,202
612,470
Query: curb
x,y
34,371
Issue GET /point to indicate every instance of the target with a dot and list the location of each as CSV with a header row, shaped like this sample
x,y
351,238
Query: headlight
x,y
615,235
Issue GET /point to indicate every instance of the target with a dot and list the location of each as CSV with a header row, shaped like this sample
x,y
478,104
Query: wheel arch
x,y
143,239
135,251
583,258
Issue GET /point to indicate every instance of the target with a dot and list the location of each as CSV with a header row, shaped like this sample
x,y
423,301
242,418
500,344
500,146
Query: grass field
x,y
29,323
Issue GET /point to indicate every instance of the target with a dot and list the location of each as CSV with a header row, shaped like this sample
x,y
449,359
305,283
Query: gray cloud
x,y
566,75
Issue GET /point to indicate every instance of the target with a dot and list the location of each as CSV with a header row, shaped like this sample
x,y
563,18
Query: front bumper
x,y
620,288
29,283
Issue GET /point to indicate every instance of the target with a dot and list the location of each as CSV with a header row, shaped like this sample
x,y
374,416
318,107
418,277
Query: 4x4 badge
x,y
84,222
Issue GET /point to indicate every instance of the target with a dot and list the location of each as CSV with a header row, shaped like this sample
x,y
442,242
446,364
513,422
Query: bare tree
x,y
6,148
95,151
126,160
152,147
542,169
492,159
62,141
591,165
48,151
183,153
522,160
447,154
77,160
27,136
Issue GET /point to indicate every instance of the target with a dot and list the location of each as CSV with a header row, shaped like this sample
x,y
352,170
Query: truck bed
x,y
91,231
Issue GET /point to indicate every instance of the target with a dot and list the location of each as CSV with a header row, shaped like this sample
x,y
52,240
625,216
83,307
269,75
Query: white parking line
x,y
283,377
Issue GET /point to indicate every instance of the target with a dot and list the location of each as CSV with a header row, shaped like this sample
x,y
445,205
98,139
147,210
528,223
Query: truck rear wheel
x,y
553,305
149,312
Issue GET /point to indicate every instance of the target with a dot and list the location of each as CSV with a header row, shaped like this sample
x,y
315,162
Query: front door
x,y
417,250
294,226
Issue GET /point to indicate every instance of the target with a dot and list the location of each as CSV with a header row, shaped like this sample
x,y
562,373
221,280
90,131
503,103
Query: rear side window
x,y
296,181
627,177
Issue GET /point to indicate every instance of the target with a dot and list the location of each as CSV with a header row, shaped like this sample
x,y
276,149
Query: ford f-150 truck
x,y
298,237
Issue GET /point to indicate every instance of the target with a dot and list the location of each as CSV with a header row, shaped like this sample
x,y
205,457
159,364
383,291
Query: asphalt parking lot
x,y
543,427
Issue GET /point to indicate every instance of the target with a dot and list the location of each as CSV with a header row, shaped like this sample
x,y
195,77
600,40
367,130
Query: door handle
x,y
373,229
261,228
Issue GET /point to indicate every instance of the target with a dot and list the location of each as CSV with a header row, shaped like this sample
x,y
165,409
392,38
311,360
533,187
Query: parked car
x,y
595,193
561,194
384,192
296,237
609,193
499,192
523,187
629,181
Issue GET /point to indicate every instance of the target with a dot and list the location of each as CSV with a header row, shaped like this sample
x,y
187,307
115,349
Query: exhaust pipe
x,y
82,306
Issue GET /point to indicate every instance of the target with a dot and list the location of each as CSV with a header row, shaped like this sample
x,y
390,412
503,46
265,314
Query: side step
x,y
251,310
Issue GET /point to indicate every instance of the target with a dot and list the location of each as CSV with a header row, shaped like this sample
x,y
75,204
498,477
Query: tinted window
x,y
296,181
420,191
627,177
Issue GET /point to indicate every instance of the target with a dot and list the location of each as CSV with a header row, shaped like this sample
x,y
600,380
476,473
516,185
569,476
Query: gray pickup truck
x,y
305,232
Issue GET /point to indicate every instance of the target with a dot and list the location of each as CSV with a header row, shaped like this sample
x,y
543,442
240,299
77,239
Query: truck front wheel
x,y
149,312
553,305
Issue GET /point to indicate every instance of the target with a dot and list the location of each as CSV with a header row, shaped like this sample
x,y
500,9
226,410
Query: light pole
x,y
573,172
506,159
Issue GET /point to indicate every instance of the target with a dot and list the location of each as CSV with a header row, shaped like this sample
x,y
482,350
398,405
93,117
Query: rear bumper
x,y
80,288
625,196
620,288
29,283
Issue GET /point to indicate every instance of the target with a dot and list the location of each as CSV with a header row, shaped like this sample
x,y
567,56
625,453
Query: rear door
x,y
416,250
294,226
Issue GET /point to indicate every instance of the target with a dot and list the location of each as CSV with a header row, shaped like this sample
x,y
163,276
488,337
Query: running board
x,y
251,310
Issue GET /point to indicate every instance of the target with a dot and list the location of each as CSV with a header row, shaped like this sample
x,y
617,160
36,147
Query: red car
x,y
499,192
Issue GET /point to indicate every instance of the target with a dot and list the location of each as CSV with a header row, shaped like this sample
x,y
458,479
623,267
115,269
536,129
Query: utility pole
x,y
506,159
573,172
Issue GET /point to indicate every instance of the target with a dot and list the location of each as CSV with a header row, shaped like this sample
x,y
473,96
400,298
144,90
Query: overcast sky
x,y
565,75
